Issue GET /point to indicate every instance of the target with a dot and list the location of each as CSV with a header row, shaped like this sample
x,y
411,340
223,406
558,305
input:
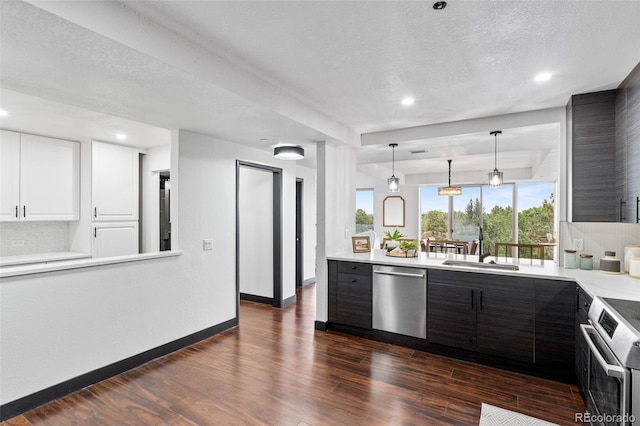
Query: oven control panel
x,y
607,322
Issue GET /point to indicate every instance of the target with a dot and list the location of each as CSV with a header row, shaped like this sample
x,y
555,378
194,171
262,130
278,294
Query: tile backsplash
x,y
598,237
33,237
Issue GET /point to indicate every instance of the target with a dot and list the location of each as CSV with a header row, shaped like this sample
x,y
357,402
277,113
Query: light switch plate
x,y
578,244
207,244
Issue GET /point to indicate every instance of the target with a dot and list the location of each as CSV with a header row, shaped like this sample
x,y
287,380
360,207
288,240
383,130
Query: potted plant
x,y
394,238
409,246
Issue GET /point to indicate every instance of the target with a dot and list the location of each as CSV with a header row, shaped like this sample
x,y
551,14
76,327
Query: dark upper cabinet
x,y
591,130
627,138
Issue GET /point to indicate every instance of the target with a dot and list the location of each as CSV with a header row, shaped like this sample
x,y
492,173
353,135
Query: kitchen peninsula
x,y
516,319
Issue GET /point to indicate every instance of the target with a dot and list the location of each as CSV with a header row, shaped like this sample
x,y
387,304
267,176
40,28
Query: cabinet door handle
x,y
24,211
480,299
637,209
353,281
472,297
622,202
95,212
95,232
16,212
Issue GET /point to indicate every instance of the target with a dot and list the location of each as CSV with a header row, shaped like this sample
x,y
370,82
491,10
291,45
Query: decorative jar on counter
x,y
570,259
586,262
630,252
634,267
610,264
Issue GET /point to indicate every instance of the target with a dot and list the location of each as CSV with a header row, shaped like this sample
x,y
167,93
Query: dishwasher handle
x,y
399,274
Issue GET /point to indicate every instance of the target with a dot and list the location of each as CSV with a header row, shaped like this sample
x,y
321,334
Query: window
x,y
364,210
491,208
434,213
536,211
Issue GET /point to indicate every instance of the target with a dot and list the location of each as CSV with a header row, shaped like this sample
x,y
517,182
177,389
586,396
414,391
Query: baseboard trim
x,y
309,281
289,301
321,325
26,403
258,299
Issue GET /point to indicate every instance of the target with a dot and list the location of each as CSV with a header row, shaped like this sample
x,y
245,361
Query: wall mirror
x,y
393,211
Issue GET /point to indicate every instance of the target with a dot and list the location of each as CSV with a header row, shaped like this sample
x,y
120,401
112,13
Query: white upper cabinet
x,y
9,175
114,182
40,178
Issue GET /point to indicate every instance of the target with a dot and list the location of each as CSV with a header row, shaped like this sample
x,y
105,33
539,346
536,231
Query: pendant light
x,y
393,182
495,177
450,190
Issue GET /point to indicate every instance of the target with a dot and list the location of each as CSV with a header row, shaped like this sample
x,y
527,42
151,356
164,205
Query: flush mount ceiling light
x,y
495,177
393,182
439,5
3,112
121,136
450,191
288,152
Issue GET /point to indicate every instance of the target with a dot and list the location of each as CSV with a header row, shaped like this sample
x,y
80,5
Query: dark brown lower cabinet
x,y
490,314
555,330
351,294
583,303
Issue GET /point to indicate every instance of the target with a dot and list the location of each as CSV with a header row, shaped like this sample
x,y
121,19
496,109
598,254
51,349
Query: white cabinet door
x,y
114,182
115,239
49,178
9,175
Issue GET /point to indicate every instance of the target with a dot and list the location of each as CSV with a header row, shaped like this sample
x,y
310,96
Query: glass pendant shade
x,y
495,177
450,191
393,183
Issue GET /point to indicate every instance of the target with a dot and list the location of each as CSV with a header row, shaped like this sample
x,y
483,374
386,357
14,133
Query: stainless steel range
x,y
613,337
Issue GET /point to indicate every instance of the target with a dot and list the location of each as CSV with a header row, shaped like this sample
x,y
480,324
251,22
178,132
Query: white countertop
x,y
57,256
596,283
62,265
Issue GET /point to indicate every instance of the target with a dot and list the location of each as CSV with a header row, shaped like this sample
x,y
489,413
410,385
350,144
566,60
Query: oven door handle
x,y
611,370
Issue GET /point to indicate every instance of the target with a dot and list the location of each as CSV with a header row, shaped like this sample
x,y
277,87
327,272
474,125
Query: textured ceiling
x,y
303,71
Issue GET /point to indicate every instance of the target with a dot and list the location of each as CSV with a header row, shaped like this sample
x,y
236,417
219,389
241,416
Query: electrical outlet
x,y
578,243
17,243
207,244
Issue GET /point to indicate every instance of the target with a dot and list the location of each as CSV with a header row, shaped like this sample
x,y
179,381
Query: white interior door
x,y
255,229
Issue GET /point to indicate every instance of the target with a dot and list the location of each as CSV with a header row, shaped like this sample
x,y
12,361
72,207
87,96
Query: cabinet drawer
x,y
354,268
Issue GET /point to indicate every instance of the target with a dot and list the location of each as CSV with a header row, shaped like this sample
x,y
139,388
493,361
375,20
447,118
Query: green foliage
x,y
362,218
409,245
497,225
435,222
396,235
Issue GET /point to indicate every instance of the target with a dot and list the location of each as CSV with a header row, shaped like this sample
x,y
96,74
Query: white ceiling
x,y
303,71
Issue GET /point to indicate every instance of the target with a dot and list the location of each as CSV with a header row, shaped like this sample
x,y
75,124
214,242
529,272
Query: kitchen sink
x,y
488,265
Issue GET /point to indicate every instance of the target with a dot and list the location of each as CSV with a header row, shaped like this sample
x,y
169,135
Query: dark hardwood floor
x,y
275,369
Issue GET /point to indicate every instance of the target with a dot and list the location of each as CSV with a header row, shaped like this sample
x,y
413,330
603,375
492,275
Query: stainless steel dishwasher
x,y
400,300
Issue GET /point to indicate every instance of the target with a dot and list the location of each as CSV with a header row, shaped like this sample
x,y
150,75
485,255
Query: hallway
x,y
276,369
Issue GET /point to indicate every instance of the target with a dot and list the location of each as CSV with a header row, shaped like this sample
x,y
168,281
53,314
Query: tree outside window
x,y
364,210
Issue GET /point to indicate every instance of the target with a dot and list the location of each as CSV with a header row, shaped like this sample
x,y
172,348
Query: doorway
x,y
299,234
165,211
259,233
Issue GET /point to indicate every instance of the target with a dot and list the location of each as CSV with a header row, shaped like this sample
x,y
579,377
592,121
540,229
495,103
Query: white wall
x,y
309,222
255,202
154,161
336,211
59,325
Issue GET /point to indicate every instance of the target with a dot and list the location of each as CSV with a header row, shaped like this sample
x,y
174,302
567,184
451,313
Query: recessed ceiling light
x,y
542,77
408,101
3,112
121,136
